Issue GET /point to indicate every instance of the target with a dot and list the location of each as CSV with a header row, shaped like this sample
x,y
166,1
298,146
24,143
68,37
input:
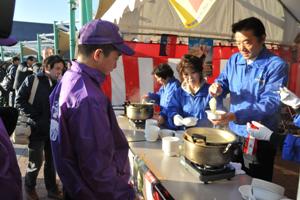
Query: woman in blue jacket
x,y
191,99
164,75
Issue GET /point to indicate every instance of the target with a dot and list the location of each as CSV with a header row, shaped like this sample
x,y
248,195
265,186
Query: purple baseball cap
x,y
103,32
10,41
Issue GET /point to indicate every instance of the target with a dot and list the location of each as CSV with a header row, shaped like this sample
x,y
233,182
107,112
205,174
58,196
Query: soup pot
x,y
139,111
208,146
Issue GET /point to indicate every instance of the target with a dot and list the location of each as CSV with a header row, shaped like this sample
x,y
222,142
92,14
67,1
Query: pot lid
x,y
140,104
211,135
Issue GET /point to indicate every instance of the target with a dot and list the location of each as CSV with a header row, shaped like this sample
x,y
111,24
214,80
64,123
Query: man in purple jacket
x,y
10,176
89,149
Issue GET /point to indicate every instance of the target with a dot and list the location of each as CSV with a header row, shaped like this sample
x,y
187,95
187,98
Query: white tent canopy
x,y
159,17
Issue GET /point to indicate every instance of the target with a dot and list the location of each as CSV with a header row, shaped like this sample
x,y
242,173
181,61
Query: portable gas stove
x,y
208,173
137,123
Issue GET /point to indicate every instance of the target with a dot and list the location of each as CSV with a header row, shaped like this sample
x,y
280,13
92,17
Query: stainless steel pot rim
x,y
214,137
207,145
140,104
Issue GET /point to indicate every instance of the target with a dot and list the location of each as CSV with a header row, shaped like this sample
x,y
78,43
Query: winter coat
x,y
39,111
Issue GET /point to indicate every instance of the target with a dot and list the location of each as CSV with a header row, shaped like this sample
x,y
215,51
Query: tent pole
x,y
2,53
83,12
89,10
21,51
72,28
86,11
39,57
55,31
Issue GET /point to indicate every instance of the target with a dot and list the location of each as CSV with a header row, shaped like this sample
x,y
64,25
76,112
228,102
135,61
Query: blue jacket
x,y
291,145
163,96
188,105
90,151
254,89
297,120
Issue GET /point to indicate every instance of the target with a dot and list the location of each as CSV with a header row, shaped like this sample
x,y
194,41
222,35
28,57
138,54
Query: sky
x,y
44,11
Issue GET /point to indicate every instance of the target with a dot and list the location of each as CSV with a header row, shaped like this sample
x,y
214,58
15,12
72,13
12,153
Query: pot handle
x,y
197,136
227,148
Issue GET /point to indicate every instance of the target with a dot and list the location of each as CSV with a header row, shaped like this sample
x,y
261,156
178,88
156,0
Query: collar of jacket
x,y
258,62
43,75
94,74
171,80
186,88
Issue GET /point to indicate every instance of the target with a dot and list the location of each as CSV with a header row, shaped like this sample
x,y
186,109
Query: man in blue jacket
x,y
253,78
90,151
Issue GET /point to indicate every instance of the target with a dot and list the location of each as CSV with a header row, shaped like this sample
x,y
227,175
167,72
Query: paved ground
x,y
285,173
22,157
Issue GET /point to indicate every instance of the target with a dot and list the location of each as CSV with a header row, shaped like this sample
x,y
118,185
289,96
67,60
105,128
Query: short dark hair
x,y
163,71
15,58
52,60
87,49
31,58
251,23
192,62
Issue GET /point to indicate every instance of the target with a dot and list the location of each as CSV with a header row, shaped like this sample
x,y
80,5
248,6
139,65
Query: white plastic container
x,y
151,133
170,146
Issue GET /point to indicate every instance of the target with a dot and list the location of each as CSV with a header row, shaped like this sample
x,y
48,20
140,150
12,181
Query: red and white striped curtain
x,y
132,78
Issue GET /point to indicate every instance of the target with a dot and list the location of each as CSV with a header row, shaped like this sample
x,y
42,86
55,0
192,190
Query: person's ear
x,y
98,54
47,67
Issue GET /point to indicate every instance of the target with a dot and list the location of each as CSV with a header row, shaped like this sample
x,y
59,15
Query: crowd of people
x,y
76,131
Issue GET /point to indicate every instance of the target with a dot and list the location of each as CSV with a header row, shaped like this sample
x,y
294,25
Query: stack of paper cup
x,y
170,145
151,133
152,122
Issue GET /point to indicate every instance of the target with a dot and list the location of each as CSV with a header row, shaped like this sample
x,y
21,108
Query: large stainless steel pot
x,y
208,146
139,111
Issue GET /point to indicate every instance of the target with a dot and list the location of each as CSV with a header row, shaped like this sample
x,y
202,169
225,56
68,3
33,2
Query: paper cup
x,y
170,146
151,133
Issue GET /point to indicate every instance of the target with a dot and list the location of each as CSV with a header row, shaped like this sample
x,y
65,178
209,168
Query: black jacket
x,y
22,72
8,81
39,111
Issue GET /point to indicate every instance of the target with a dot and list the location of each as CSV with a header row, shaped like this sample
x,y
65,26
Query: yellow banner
x,y
191,12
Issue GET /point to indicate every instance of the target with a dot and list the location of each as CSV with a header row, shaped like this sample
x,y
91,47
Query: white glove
x,y
289,98
178,120
259,131
189,121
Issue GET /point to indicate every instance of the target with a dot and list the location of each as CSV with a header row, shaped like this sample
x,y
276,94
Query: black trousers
x,y
263,166
36,150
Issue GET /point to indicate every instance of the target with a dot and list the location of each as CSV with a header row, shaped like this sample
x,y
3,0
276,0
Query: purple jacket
x,y
90,151
10,176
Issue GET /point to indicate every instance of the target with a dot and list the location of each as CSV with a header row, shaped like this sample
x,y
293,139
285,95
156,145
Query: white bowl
x,y
264,194
216,115
245,191
264,190
191,121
